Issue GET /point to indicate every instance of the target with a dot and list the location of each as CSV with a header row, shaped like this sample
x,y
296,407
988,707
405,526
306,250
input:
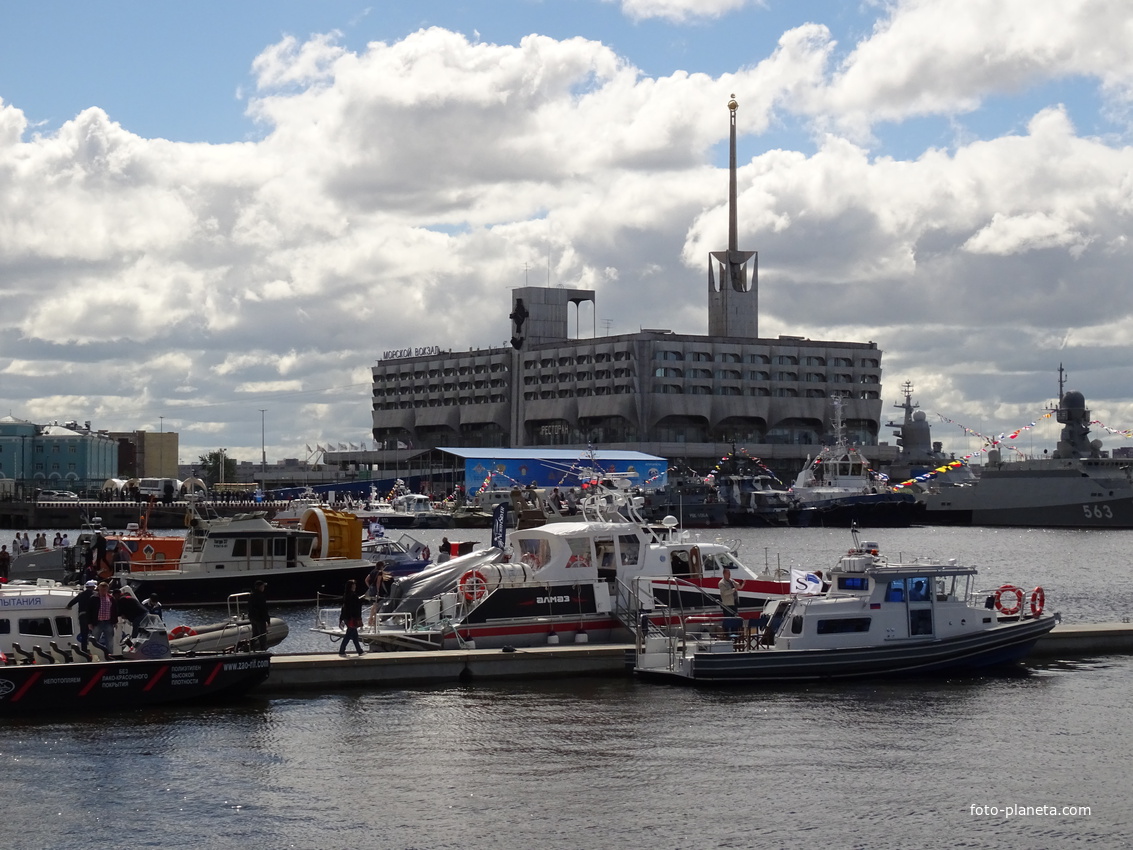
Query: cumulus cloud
x,y
398,190
931,57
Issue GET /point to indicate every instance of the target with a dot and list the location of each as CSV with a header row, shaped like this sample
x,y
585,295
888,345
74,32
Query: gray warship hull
x,y
1066,493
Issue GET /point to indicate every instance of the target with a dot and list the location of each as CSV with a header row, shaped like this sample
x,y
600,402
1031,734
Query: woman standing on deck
x,y
350,618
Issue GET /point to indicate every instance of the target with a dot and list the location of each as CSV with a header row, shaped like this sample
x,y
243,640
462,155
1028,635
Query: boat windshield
x,y
952,588
533,552
630,546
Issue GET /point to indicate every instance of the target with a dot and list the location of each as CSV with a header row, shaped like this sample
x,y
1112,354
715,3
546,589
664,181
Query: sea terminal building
x,y
688,398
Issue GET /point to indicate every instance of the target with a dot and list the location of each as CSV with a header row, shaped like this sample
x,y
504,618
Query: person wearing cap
x,y
153,606
258,615
82,601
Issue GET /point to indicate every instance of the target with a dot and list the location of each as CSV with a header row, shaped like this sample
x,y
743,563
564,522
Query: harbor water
x,y
1034,759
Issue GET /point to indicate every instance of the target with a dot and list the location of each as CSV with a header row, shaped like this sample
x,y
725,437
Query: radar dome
x,y
1073,400
919,416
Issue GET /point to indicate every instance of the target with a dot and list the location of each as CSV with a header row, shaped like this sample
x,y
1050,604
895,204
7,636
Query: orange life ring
x,y
1038,601
183,631
1014,609
473,585
694,560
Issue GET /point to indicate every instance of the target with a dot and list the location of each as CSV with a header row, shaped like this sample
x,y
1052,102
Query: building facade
x,y
53,457
678,396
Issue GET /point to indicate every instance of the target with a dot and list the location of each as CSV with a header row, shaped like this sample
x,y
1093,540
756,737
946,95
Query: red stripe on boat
x,y
94,680
156,677
23,690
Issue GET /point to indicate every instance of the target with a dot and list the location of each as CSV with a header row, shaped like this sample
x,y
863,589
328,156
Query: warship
x,y
1078,486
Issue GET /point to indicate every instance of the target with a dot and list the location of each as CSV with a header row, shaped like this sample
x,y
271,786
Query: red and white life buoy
x,y
1038,601
182,631
1016,606
473,585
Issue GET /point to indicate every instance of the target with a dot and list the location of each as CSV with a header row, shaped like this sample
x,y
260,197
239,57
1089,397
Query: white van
x,y
159,487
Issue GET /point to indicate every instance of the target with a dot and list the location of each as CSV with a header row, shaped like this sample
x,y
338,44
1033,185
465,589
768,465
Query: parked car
x,y
58,496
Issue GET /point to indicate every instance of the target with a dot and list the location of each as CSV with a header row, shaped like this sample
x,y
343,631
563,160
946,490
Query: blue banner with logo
x,y
499,525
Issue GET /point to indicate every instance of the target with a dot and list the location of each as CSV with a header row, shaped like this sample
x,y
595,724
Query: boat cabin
x,y
871,600
35,615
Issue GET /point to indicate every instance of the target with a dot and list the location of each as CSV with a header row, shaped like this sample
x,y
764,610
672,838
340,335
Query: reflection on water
x,y
592,763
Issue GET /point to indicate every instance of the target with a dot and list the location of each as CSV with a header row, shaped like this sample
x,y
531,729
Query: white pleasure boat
x,y
878,618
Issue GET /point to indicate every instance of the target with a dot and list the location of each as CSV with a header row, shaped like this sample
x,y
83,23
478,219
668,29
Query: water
x,y
610,763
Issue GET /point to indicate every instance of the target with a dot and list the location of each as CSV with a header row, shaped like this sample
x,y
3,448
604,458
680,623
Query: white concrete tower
x,y
733,306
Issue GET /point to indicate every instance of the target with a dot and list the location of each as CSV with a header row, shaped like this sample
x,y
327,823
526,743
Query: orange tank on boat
x,y
340,533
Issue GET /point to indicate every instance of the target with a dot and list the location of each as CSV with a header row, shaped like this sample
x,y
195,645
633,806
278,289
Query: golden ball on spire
x,y
732,105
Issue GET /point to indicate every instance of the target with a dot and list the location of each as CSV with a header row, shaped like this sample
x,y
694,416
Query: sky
x,y
215,216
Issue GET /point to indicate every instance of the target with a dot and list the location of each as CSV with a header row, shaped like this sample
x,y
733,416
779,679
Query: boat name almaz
x,y
547,600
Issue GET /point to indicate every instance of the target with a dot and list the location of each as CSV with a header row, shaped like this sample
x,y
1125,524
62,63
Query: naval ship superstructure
x,y
1077,487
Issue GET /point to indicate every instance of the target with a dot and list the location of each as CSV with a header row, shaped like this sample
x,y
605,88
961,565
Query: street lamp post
x,y
220,479
161,447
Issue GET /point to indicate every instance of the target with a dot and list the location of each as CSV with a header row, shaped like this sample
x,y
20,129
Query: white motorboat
x,y
45,669
227,555
838,488
878,618
401,557
561,581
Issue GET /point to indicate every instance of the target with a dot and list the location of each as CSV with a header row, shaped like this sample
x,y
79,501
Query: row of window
x,y
623,389
737,375
608,374
38,467
38,448
447,401
777,392
579,359
463,386
777,360
580,392
408,374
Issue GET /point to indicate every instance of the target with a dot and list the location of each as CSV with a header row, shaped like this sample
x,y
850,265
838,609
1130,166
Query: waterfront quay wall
x,y
318,671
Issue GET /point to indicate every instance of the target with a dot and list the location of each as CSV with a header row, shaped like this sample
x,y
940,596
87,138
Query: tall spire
x,y
733,308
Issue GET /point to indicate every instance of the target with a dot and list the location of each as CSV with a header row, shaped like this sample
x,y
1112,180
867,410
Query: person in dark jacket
x,y
350,618
130,609
82,601
258,615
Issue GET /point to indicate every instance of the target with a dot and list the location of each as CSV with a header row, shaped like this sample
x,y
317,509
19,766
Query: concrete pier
x,y
1084,641
328,671
321,671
